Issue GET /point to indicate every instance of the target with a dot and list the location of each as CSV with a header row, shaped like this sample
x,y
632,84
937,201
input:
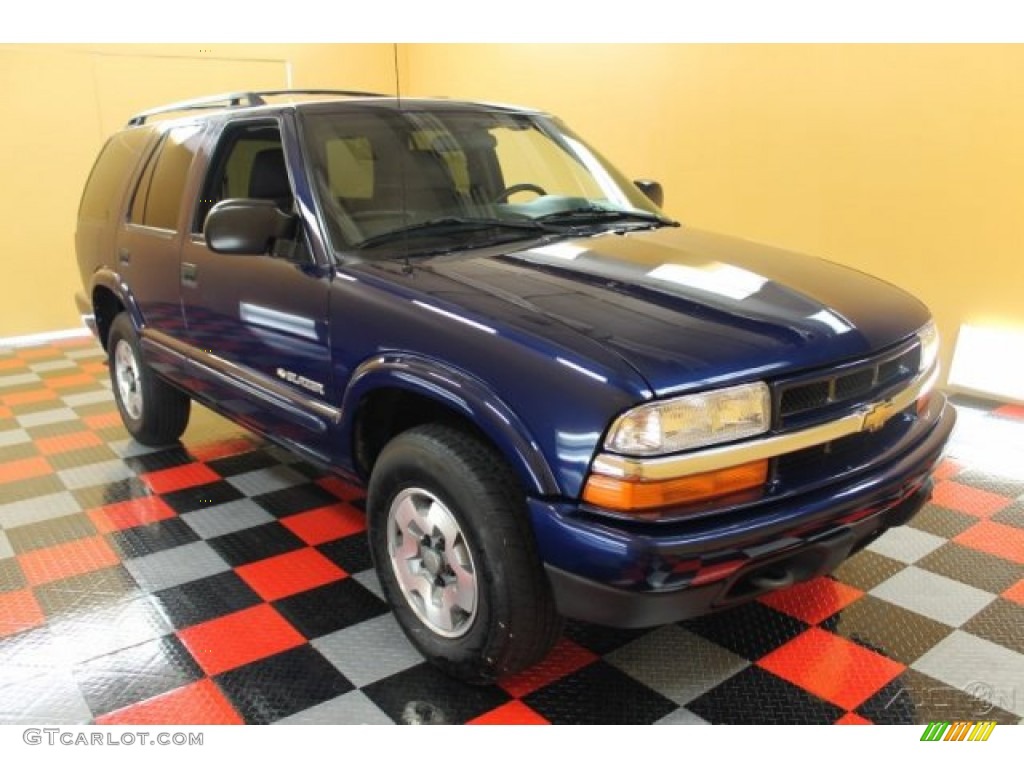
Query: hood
x,y
689,309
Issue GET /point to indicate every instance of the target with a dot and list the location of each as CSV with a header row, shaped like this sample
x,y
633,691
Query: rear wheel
x,y
153,412
456,556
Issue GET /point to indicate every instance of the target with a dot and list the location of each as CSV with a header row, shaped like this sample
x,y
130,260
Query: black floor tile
x,y
11,575
423,691
22,490
175,456
16,452
320,611
111,493
886,628
981,570
205,599
200,496
281,685
751,631
600,640
156,537
56,429
599,694
867,569
241,463
351,553
941,522
297,498
1011,515
992,482
82,457
915,698
258,543
50,533
755,696
88,592
1001,622
135,674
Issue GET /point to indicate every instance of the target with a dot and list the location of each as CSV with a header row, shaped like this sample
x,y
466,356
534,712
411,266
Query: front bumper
x,y
634,575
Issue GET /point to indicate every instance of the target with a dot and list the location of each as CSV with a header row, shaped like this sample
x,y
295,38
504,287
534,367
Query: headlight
x,y
692,421
929,338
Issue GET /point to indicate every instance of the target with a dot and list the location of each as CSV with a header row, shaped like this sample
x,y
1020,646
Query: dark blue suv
x,y
561,402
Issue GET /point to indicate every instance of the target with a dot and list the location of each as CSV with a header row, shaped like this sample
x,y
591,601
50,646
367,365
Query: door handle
x,y
189,273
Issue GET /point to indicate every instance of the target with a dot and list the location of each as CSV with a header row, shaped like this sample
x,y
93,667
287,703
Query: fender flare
x,y
107,278
465,395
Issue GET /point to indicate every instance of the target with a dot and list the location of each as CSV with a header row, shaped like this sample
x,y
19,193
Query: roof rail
x,y
236,100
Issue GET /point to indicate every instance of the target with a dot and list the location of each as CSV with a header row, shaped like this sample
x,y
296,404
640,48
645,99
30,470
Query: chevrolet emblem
x,y
876,414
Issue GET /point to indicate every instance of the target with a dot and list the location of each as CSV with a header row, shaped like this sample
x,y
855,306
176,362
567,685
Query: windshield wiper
x,y
593,214
452,224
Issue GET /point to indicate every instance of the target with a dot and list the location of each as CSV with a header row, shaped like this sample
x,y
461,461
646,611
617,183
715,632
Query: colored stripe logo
x,y
961,730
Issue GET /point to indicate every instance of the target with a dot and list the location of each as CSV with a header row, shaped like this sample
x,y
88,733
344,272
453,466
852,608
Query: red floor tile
x,y
995,538
10,363
221,448
565,658
129,514
72,380
831,667
1016,592
199,703
102,420
341,489
29,396
290,573
5,412
971,501
239,638
38,353
1010,411
98,367
176,478
947,469
19,611
49,446
852,718
318,526
62,561
23,469
813,601
512,713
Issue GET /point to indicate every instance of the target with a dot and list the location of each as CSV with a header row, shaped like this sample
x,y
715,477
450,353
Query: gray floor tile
x,y
262,481
179,565
53,416
49,697
346,650
14,437
18,379
708,664
88,398
5,546
906,544
682,716
951,602
126,449
103,630
354,708
52,365
986,670
38,509
227,518
96,474
369,580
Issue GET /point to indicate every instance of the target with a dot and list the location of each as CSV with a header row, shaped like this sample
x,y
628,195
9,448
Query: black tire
x,y
153,412
513,623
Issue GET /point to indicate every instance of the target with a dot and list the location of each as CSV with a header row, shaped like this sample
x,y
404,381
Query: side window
x,y
249,163
105,187
157,199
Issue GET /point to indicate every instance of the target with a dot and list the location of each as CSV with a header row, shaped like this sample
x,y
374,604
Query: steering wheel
x,y
505,194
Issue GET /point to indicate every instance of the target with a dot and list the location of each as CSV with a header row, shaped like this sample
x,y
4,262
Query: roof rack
x,y
238,99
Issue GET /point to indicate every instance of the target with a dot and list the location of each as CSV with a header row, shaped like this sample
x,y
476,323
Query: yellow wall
x,y
905,161
60,102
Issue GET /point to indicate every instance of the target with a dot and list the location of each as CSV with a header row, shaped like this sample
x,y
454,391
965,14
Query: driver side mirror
x,y
652,189
245,226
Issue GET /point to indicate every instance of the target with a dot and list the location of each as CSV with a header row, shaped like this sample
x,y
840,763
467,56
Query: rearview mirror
x,y
245,226
652,189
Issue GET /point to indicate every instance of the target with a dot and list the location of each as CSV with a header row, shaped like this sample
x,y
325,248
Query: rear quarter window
x,y
158,198
105,187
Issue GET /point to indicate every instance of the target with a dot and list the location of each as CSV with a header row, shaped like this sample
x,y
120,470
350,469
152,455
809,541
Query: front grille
x,y
814,398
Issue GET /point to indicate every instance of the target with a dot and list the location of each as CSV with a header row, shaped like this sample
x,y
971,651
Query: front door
x,y
258,324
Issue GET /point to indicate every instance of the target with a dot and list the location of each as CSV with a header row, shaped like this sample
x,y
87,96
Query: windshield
x,y
430,180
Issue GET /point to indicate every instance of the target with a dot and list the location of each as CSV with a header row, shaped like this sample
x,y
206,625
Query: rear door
x,y
257,324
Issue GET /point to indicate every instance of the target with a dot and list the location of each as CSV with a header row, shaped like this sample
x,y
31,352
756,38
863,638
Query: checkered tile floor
x,y
225,581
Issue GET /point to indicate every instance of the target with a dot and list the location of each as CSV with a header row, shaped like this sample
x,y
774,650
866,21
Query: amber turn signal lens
x,y
630,495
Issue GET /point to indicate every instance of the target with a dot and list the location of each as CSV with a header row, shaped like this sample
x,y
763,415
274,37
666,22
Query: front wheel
x,y
153,412
456,557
